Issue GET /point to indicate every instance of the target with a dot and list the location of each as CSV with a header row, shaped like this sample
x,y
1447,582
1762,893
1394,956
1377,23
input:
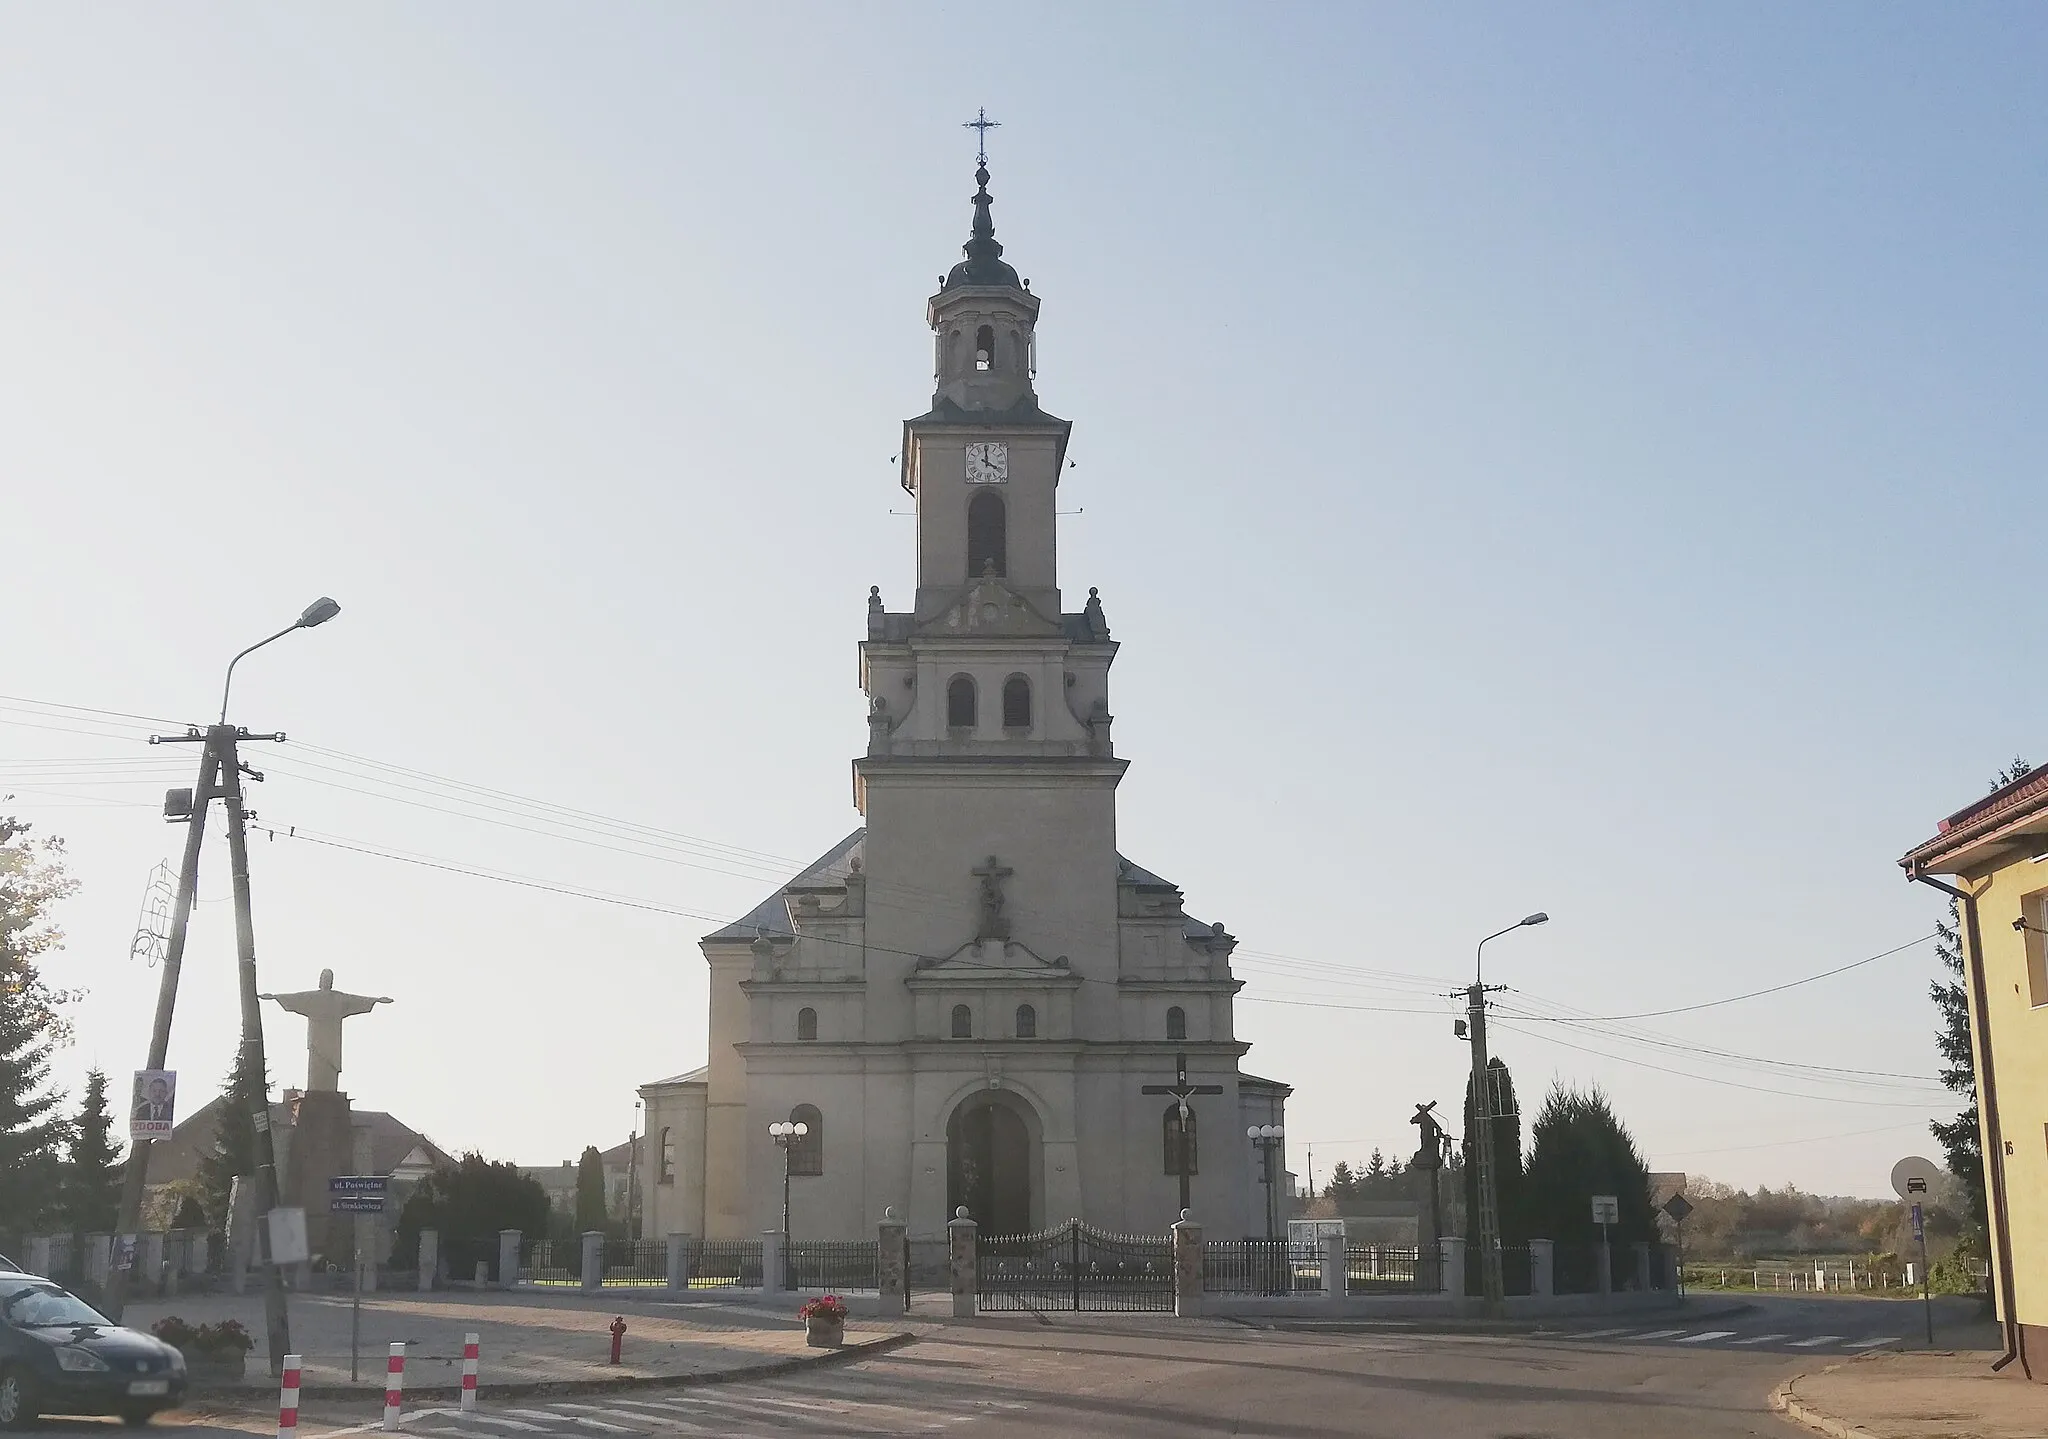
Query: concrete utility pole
x,y
220,777
1481,1119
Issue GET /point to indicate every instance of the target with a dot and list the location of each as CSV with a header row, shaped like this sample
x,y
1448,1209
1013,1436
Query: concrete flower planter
x,y
823,1332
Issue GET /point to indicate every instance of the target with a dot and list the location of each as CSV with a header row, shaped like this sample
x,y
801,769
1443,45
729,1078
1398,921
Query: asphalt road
x,y
1111,1377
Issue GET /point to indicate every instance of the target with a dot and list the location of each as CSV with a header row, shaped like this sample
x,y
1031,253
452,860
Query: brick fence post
x,y
1336,1268
774,1262
593,1258
1453,1247
678,1263
960,1236
1188,1256
429,1258
1543,1266
892,1264
508,1258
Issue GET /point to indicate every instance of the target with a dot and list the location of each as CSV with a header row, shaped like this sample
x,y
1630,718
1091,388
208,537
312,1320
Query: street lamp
x,y
1480,1120
1266,1139
787,1136
317,613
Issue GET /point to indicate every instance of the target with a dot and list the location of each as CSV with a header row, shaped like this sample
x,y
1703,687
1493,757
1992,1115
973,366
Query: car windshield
x,y
45,1306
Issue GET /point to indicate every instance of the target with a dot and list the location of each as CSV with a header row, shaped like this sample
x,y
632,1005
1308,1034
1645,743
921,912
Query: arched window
x,y
1176,1023
1016,703
952,352
807,1023
807,1155
1027,1022
1179,1135
985,348
963,1022
960,702
668,1156
987,527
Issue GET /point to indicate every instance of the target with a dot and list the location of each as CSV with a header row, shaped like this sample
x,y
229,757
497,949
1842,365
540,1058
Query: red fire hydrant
x,y
618,1327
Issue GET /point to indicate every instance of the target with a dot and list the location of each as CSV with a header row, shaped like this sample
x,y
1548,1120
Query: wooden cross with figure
x,y
1181,1160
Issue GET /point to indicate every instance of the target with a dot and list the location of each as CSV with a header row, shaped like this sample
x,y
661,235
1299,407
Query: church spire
x,y
984,263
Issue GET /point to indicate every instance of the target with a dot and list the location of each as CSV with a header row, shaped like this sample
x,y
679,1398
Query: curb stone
x,y
1799,1411
845,1354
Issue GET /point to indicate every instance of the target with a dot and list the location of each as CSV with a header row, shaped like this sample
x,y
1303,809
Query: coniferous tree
x,y
590,1205
1960,1139
32,1130
1343,1183
234,1139
1507,1158
92,1175
1375,1171
1578,1148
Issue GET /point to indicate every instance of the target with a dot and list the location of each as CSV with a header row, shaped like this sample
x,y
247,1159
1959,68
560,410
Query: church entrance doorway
x,y
992,1163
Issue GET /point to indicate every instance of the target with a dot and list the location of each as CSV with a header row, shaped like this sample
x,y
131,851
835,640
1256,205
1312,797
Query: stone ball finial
x,y
1187,1214
889,1213
961,1212
327,979
1094,593
875,593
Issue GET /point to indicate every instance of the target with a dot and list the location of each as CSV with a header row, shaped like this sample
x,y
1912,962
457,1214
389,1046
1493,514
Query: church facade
x,y
965,1000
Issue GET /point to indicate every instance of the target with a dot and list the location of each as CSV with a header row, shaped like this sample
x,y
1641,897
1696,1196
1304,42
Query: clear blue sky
x,y
1580,458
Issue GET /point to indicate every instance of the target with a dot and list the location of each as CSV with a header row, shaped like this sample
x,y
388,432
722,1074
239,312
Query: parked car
x,y
58,1355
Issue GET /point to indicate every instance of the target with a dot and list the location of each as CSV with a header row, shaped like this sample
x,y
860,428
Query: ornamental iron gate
x,y
1075,1266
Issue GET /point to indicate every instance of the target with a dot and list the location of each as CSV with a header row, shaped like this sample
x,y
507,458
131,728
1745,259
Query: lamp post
x,y
1481,1120
787,1135
1266,1139
220,777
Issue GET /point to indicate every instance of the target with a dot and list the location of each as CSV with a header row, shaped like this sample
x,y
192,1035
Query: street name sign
x,y
1606,1209
356,1193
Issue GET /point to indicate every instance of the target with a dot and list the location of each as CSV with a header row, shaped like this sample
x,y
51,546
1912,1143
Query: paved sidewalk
x,y
1929,1395
524,1341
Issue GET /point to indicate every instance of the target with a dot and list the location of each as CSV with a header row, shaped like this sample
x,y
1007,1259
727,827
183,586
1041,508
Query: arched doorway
x,y
992,1163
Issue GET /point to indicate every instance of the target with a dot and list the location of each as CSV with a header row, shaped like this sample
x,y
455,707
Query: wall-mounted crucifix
x,y
1180,1131
994,923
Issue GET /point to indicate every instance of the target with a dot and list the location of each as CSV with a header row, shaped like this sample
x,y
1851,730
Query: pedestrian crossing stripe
x,y
1762,1339
1873,1343
1603,1333
1816,1341
1705,1335
1659,1334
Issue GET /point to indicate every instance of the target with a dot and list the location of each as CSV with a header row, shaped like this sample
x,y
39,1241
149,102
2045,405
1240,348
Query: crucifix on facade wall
x,y
1181,1155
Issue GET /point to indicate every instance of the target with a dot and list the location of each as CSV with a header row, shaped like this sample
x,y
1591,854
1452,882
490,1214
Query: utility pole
x,y
275,1318
135,1172
1479,1123
1481,1117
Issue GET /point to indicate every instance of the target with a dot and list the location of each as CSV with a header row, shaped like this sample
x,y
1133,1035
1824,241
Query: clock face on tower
x,y
988,463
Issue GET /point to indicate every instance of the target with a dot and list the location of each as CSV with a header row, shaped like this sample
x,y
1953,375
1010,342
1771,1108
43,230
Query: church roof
x,y
771,915
693,1076
984,264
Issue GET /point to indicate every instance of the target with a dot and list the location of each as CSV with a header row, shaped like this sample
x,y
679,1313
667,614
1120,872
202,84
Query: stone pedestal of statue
x,y
323,1146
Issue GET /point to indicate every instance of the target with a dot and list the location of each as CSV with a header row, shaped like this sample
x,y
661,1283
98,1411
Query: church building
x,y
965,1000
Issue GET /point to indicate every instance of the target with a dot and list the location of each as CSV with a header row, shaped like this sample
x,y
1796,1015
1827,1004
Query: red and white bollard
x,y
469,1344
394,1386
288,1400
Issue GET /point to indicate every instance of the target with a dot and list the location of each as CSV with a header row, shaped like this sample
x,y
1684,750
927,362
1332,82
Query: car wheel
x,y
17,1399
136,1418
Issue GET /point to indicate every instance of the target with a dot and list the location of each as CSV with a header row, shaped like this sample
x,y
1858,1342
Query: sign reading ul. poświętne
x,y
356,1194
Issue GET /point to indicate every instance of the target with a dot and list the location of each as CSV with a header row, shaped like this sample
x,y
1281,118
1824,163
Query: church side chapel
x,y
966,1001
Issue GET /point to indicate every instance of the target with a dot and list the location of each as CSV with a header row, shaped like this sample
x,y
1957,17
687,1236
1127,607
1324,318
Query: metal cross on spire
x,y
981,124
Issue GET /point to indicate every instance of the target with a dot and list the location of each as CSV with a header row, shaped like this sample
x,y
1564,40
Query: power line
x,y
1738,998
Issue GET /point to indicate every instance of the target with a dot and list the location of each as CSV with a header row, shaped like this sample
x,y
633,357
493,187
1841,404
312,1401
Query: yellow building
x,y
1993,856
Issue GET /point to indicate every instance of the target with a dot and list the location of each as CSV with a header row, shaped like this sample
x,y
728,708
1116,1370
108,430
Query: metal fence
x,y
1271,1267
1379,1269
635,1262
722,1263
1577,1268
544,1261
833,1265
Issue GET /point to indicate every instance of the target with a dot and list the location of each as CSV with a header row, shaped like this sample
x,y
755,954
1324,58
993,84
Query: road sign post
x,y
1913,1180
1678,1206
1606,1211
356,1194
